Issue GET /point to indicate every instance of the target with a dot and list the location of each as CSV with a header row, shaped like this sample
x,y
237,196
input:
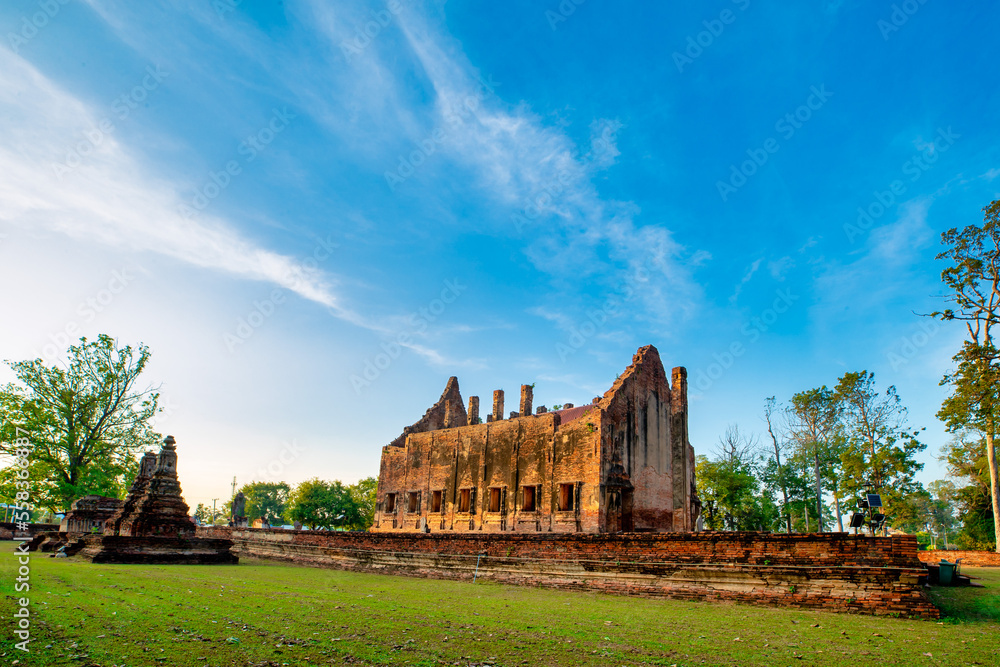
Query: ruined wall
x,y
491,464
969,558
89,513
448,412
646,451
622,463
576,455
33,529
827,571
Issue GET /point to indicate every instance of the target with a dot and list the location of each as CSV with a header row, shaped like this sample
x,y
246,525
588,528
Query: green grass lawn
x,y
262,613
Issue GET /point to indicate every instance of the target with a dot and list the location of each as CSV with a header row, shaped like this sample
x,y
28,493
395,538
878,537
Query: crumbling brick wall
x,y
970,558
621,463
448,412
492,464
828,571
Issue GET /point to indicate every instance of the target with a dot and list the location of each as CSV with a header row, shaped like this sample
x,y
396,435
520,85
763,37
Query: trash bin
x,y
946,573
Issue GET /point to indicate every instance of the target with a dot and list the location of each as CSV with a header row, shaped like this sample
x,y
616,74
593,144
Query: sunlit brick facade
x,y
622,463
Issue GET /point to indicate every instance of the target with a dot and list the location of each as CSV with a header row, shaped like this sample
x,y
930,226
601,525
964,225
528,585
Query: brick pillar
x,y
498,405
525,400
473,409
680,464
448,417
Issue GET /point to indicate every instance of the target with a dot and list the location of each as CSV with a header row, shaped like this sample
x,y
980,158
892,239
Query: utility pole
x,y
213,509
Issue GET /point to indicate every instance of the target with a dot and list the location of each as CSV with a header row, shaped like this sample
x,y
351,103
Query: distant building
x,y
622,463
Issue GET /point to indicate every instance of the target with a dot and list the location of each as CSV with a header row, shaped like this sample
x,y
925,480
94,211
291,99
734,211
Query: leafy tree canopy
x,y
319,504
266,500
881,448
86,422
973,282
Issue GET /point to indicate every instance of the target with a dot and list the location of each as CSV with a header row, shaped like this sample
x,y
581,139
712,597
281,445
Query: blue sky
x,y
272,195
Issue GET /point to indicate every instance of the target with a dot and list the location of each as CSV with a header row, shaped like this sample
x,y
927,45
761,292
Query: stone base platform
x,y
828,571
157,550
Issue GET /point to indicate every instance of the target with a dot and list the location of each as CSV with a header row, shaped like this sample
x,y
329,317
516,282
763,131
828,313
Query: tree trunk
x,y
819,492
781,475
836,504
991,459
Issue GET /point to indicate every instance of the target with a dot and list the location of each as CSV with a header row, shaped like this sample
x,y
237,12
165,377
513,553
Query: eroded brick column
x,y
680,468
498,405
525,400
473,409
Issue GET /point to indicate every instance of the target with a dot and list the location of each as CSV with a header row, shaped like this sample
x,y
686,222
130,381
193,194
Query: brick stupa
x,y
154,506
153,525
147,466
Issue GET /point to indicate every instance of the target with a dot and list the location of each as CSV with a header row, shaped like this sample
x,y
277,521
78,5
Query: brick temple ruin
x,y
88,514
599,498
621,464
151,526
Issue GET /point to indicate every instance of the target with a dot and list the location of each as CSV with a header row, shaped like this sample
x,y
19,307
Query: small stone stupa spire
x,y
155,507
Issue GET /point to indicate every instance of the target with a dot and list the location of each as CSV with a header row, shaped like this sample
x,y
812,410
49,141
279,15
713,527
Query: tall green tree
x,y
942,508
967,462
266,500
814,417
363,492
880,446
204,515
86,422
731,489
778,476
973,282
319,504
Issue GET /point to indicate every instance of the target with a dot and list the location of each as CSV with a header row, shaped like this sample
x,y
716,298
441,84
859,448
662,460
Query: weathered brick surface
x,y
970,558
448,412
33,529
156,550
832,572
152,525
89,513
621,463
154,505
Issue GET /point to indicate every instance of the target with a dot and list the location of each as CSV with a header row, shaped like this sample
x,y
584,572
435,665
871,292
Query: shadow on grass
x,y
968,604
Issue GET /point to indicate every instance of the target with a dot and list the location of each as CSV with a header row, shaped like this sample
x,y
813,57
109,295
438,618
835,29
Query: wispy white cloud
x,y
779,267
561,320
521,161
110,197
858,291
751,270
372,102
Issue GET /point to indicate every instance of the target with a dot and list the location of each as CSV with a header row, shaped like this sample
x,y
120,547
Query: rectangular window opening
x,y
495,499
436,501
413,501
465,500
566,497
390,502
528,499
